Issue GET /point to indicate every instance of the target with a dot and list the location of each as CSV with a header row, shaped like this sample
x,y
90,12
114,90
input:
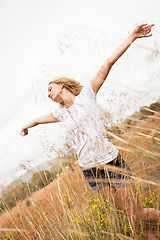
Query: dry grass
x,y
68,209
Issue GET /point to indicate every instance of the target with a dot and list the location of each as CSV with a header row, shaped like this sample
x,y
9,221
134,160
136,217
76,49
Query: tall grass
x,y
68,209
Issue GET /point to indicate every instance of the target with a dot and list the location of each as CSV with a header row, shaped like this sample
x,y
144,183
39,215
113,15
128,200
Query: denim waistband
x,y
113,162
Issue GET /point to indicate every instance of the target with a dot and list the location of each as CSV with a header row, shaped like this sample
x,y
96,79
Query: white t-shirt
x,y
83,123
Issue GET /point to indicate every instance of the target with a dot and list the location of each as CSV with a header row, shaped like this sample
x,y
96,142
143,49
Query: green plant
x,y
40,180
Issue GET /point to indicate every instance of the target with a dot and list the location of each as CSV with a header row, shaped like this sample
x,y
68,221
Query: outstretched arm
x,y
139,32
49,118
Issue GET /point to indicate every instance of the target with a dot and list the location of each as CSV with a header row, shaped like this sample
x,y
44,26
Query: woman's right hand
x,y
24,132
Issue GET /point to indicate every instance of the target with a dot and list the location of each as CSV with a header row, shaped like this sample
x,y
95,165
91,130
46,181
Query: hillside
x,y
45,213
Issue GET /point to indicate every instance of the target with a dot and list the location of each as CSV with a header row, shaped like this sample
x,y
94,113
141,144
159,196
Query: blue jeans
x,y
99,178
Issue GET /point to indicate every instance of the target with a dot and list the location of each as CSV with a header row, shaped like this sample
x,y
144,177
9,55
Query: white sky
x,y
29,31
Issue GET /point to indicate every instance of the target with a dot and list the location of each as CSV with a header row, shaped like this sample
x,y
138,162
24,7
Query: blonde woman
x,y
80,115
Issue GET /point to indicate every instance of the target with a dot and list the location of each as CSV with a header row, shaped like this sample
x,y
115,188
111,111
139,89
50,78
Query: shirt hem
x,y
96,164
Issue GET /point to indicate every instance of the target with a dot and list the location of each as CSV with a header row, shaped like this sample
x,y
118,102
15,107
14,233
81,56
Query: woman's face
x,y
54,92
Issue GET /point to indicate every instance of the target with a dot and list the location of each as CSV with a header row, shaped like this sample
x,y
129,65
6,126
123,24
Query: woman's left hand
x,y
142,31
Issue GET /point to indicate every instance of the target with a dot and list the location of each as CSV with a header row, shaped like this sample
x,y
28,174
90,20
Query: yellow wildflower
x,y
94,206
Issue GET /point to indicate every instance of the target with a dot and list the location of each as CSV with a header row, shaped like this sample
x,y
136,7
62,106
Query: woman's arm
x,y
139,32
49,118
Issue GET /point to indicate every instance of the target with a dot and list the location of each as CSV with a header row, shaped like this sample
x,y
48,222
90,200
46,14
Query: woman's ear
x,y
62,86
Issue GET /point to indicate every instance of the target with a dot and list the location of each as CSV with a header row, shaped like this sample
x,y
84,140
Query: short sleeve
x,y
88,91
91,89
57,113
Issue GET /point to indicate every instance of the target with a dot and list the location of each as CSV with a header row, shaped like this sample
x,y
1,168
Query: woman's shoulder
x,y
88,90
59,113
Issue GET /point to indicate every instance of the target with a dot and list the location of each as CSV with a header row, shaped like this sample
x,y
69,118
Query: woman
x,y
80,116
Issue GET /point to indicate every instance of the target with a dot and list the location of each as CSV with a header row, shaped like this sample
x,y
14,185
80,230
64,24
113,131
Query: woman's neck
x,y
68,98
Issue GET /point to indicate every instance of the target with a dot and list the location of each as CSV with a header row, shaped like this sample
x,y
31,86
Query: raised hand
x,y
142,31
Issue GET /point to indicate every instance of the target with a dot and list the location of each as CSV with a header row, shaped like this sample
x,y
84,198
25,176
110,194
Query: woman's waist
x,y
112,162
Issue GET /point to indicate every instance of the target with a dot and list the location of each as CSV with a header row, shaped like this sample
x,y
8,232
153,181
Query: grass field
x,y
66,208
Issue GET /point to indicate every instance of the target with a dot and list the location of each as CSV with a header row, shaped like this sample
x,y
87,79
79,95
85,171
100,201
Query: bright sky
x,y
30,36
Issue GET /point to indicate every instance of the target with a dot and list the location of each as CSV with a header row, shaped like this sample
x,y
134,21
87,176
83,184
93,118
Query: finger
x,y
149,27
147,31
142,25
148,35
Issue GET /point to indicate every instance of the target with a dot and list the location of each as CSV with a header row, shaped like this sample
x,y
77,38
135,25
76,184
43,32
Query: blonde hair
x,y
70,84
